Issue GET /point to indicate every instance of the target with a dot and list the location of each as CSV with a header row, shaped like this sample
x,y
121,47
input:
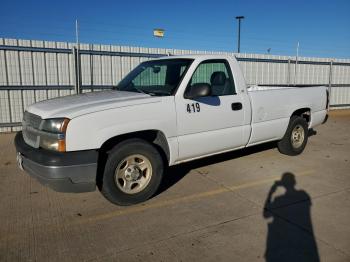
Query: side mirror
x,y
198,90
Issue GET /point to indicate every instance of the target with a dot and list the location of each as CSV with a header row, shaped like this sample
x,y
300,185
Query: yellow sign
x,y
158,32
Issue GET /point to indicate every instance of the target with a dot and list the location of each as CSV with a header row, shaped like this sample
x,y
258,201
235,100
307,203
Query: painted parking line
x,y
171,202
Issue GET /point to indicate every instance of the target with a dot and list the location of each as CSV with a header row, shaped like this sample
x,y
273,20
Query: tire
x,y
133,172
295,138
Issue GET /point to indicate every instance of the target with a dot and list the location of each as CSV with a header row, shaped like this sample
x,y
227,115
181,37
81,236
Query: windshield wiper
x,y
129,88
160,92
140,90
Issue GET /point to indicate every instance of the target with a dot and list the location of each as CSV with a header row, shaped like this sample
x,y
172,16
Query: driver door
x,y
214,123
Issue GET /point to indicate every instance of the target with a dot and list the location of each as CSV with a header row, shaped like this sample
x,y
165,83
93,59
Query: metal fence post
x,y
91,69
45,71
8,91
296,71
288,74
330,79
33,70
76,56
57,72
20,75
79,70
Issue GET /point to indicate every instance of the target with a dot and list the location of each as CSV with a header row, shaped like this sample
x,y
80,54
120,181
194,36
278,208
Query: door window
x,y
217,74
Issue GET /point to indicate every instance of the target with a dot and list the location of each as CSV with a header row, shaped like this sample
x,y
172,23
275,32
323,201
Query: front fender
x,y
90,131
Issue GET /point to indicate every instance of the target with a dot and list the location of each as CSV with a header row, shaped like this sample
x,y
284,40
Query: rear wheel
x,y
295,138
133,172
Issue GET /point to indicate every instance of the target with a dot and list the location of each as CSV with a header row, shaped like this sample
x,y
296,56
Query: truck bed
x,y
272,107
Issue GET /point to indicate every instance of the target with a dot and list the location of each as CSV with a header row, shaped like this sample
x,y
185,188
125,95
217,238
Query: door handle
x,y
236,106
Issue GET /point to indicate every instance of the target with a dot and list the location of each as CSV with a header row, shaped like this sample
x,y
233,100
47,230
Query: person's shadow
x,y
290,233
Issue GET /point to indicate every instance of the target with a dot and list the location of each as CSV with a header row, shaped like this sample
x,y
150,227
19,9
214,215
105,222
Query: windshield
x,y
156,77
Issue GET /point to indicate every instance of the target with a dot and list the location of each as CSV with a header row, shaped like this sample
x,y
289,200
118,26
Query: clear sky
x,y
322,27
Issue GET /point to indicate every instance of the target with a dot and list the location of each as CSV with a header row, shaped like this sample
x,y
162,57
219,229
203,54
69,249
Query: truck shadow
x,y
175,173
312,132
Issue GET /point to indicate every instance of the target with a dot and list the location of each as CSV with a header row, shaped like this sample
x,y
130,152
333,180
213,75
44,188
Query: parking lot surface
x,y
223,208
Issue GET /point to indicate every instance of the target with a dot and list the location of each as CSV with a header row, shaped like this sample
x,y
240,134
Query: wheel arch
x,y
155,137
304,112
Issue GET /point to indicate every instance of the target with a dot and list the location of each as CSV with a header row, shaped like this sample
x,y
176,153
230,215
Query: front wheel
x,y
133,172
295,138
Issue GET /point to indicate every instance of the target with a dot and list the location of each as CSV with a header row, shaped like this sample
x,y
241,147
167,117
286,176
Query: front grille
x,y
30,129
32,120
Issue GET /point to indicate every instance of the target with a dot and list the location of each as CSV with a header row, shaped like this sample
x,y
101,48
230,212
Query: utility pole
x,y
239,18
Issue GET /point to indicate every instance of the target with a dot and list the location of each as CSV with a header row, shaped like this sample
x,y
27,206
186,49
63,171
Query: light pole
x,y
239,18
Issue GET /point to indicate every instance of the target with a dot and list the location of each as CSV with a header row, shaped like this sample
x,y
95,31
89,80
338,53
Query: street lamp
x,y
239,18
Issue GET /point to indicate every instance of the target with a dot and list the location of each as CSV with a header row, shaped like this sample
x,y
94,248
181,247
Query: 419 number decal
x,y
193,108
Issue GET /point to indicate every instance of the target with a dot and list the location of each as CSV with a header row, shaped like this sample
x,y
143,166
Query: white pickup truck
x,y
164,112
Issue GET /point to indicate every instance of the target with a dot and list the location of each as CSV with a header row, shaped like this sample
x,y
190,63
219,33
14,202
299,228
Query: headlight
x,y
53,135
55,125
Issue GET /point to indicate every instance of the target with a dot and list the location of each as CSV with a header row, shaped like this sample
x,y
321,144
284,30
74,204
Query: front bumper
x,y
63,172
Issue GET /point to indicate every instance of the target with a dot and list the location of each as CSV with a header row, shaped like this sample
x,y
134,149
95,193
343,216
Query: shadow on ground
x,y
290,234
175,173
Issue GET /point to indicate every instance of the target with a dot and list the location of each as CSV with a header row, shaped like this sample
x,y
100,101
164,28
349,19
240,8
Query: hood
x,y
76,105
